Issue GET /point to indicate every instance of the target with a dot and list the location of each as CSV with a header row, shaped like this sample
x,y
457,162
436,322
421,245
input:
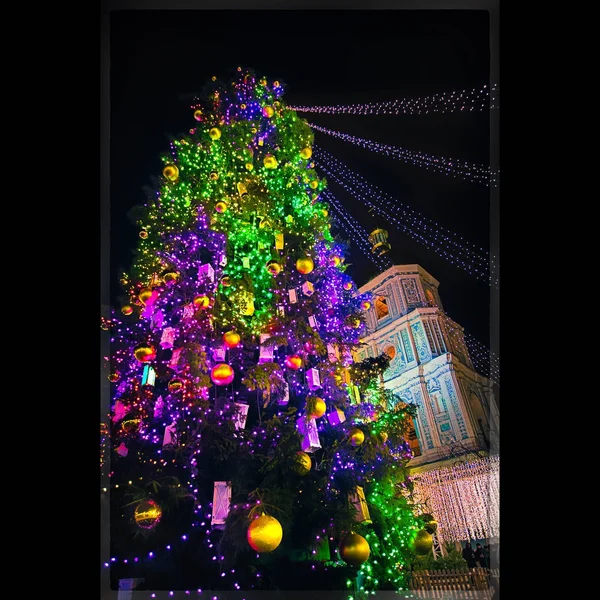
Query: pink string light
x,y
471,172
474,100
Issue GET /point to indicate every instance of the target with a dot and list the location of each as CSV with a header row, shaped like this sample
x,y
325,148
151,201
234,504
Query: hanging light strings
x,y
355,231
417,227
484,360
474,100
471,172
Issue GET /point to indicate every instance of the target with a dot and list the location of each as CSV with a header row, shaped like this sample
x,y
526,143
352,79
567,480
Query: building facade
x,y
457,417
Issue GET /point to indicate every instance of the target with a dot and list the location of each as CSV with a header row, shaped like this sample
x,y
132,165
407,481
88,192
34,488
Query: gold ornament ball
x,y
170,277
306,153
314,184
198,114
366,305
171,172
222,374
316,407
145,295
202,301
145,353
357,437
270,161
348,286
249,166
354,550
302,463
253,130
243,106
231,339
143,234
264,534
293,361
268,111
221,206
175,385
147,514
431,526
325,212
263,81
114,377
273,267
226,281
214,133
422,543
335,261
213,176
276,84
305,265
127,309
384,437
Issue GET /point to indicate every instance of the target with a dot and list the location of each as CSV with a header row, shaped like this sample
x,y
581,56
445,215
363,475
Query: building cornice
x,y
399,270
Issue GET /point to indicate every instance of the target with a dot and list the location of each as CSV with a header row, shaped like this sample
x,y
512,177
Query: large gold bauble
x,y
145,295
145,353
422,543
127,309
226,281
202,301
315,407
366,305
143,234
114,377
221,206
306,153
249,166
293,361
356,436
222,374
264,534
431,526
314,184
214,133
305,265
170,277
270,161
268,111
354,550
171,172
198,114
175,385
335,261
231,339
302,463
273,267
147,514
348,286
213,176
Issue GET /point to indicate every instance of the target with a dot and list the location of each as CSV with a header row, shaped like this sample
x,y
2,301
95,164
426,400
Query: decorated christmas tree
x,y
244,448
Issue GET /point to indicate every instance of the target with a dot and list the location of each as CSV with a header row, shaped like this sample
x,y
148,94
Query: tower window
x,y
381,308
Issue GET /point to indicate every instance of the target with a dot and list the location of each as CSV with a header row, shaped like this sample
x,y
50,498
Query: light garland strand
x,y
465,499
423,234
474,100
471,172
484,360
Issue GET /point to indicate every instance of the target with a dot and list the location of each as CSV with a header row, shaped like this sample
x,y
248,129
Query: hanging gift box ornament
x,y
312,321
149,375
293,296
333,353
266,352
245,303
354,393
285,398
206,273
310,435
170,436
188,311
336,416
218,353
313,379
159,406
279,241
175,357
222,260
221,503
358,500
308,289
122,450
241,415
246,262
280,310
167,338
157,319
119,410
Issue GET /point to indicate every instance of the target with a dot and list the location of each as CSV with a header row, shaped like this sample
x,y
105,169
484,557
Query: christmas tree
x,y
247,449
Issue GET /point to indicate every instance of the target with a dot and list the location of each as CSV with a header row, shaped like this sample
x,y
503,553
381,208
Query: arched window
x,y
381,307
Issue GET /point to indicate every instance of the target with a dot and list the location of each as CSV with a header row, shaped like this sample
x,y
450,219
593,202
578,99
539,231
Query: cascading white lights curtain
x,y
464,499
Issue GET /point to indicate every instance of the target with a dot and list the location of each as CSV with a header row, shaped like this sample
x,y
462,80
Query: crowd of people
x,y
478,557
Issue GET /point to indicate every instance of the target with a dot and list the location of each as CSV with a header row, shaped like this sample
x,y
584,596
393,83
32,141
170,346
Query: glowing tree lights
x,y
238,418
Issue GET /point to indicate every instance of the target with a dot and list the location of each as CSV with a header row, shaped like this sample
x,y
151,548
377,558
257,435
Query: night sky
x,y
159,59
